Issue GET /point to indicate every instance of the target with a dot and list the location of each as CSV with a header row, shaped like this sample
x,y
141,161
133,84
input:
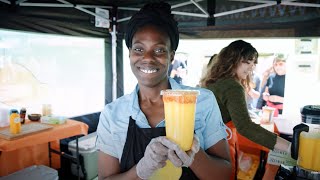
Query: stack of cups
x,y
46,110
267,115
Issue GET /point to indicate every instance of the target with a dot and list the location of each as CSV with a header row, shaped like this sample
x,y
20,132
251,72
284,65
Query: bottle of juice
x,y
15,122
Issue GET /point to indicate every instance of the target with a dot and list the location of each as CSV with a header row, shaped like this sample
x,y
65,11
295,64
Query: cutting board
x,y
26,129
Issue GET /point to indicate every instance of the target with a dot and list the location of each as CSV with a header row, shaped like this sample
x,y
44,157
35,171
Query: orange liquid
x,y
179,117
15,124
179,108
168,172
309,151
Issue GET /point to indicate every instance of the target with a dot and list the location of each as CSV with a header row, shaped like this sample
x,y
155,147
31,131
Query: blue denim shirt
x,y
114,121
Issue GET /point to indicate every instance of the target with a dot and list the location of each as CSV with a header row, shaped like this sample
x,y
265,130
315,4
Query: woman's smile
x,y
147,70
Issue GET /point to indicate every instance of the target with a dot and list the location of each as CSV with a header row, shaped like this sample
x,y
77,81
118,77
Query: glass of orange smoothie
x,y
179,109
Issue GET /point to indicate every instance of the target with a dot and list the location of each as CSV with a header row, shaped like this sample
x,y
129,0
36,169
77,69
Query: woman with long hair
x,y
229,79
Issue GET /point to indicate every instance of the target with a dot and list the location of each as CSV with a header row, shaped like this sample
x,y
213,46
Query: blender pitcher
x,y
306,148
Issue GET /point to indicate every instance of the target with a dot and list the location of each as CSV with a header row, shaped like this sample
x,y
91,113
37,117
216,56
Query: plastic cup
x,y
46,110
168,172
267,114
179,109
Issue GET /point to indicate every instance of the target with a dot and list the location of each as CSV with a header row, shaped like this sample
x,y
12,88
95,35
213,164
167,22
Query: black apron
x,y
136,143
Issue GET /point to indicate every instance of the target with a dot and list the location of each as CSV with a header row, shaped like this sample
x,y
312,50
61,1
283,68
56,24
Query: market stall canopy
x,y
197,18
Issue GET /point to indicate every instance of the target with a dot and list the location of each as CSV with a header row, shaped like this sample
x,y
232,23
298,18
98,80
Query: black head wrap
x,y
157,14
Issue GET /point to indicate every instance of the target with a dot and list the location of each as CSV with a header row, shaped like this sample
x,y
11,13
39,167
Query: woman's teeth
x,y
147,71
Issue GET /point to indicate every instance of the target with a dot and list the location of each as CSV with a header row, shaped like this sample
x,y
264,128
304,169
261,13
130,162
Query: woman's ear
x,y
172,55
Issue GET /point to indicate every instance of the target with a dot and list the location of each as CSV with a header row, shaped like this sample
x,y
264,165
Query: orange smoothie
x,y
309,151
168,172
179,108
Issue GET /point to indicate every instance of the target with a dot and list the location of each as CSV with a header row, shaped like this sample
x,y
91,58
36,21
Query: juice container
x,y
179,109
309,151
15,122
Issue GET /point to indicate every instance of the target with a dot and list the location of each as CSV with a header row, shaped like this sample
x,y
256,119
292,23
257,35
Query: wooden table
x,y
33,149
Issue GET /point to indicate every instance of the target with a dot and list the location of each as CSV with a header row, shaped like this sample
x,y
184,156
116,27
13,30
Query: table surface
x,y
59,131
285,125
33,149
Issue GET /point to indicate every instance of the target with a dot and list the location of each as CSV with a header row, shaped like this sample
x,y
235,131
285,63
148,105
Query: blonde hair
x,y
279,57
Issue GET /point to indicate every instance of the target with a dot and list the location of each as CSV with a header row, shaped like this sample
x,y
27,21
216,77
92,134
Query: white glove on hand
x,y
154,158
181,158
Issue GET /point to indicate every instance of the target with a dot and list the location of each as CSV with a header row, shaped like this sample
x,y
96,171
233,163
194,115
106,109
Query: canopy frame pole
x,y
46,5
183,4
64,2
199,7
91,13
114,54
245,9
20,1
190,14
5,1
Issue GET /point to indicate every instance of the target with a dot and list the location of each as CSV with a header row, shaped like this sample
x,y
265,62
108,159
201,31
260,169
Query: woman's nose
x,y
148,55
251,67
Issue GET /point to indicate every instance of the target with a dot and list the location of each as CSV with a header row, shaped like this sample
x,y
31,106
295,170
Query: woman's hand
x,y
253,93
154,157
181,158
266,96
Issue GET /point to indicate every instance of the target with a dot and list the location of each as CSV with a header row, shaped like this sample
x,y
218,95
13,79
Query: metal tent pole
x,y
5,1
114,58
244,9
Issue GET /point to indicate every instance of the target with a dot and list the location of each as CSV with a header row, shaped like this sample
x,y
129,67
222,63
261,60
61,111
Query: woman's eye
x,y
247,62
159,51
137,49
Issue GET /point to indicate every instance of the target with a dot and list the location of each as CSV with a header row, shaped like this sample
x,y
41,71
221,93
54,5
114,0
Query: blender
x,y
306,144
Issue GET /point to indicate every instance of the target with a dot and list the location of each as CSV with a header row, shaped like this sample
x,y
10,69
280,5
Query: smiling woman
x,y
138,146
149,56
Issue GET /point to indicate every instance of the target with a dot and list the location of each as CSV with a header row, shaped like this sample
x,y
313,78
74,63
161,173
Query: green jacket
x,y
232,103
